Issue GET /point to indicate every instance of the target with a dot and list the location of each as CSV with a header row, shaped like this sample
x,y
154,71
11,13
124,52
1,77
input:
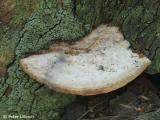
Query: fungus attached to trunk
x,y
99,63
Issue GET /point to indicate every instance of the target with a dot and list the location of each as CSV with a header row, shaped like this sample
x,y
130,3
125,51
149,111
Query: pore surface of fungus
x,y
98,63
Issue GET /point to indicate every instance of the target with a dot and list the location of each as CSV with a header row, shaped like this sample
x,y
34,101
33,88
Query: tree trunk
x,y
27,26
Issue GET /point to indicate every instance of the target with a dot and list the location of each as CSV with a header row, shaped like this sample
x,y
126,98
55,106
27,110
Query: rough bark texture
x,y
27,26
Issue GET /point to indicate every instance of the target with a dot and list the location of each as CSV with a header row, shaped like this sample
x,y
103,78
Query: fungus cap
x,y
99,63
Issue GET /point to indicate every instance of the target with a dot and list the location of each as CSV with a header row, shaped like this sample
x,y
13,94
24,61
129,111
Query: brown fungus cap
x,y
99,63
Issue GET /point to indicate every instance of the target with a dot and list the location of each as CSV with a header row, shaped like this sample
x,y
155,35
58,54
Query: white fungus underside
x,y
109,63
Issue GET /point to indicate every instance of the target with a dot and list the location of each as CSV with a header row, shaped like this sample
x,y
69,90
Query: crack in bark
x,y
74,9
14,57
50,29
155,53
7,91
41,86
31,105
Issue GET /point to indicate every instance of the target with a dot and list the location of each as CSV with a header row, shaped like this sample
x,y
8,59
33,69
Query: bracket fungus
x,y
99,63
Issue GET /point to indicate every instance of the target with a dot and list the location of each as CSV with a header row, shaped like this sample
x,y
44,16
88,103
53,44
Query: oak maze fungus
x,y
99,63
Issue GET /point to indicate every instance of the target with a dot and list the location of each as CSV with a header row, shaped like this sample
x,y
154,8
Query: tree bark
x,y
27,26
